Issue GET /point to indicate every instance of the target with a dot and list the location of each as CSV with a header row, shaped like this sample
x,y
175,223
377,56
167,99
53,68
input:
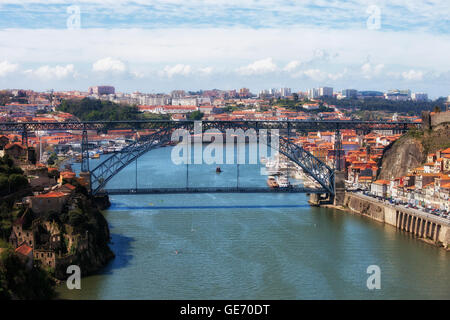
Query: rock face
x,y
406,153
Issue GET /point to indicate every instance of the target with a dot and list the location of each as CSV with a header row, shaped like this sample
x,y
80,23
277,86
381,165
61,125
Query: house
x,y
25,253
22,232
53,201
67,188
380,188
47,258
66,175
16,151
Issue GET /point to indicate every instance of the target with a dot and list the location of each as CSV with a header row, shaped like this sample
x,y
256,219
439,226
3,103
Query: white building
x,y
419,96
285,92
184,102
313,93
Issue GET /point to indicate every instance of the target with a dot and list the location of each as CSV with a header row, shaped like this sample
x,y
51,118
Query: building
x,y
325,92
398,95
244,93
419,96
350,93
48,202
187,101
380,188
313,93
155,100
370,94
285,92
101,90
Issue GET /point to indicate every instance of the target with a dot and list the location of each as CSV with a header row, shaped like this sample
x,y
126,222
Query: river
x,y
250,246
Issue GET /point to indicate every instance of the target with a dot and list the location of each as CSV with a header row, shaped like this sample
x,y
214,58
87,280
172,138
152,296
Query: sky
x,y
157,46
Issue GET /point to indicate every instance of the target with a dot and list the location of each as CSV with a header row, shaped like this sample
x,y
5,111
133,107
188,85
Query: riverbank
x,y
425,227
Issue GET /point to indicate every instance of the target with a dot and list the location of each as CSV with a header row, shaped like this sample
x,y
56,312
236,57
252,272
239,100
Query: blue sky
x,y
157,46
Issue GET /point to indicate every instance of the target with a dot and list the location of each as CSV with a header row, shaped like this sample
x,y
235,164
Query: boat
x,y
272,182
283,182
96,156
218,170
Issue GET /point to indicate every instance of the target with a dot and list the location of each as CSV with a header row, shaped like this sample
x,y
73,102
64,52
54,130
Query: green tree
x,y
195,115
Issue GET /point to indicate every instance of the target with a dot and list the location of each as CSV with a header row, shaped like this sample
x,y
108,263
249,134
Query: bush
x,y
17,181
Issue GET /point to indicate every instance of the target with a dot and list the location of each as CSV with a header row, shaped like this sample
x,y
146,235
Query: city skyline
x,y
157,46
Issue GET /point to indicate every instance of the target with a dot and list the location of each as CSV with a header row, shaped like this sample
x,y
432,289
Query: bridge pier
x,y
339,188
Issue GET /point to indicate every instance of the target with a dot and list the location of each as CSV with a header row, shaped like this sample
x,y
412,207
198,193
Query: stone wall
x,y
422,226
432,120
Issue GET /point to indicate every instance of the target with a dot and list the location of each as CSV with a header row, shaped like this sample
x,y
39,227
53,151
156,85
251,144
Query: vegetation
x,y
5,97
195,115
99,110
93,109
18,282
11,177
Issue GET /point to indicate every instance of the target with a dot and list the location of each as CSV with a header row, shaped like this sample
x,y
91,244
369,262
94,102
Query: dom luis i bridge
x,y
330,179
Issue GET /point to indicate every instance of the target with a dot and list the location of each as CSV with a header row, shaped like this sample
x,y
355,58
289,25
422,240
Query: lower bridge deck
x,y
212,190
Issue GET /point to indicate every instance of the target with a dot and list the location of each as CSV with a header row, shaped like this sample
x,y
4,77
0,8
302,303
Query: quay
x,y
427,227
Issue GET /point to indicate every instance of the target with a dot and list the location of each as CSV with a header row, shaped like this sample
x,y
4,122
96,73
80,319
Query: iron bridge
x,y
162,134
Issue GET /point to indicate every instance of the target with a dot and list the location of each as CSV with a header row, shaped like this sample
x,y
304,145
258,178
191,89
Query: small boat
x,y
95,156
218,170
283,182
272,183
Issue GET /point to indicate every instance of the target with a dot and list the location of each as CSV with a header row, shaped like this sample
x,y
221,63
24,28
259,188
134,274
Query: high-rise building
x,y
313,93
325,92
244,93
350,93
285,92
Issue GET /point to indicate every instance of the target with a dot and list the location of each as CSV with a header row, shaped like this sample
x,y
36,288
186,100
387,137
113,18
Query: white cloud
x,y
206,70
109,64
179,69
7,67
258,67
369,71
291,66
412,75
57,72
314,74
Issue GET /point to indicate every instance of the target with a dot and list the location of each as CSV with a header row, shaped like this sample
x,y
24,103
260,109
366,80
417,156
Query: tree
x,y
195,115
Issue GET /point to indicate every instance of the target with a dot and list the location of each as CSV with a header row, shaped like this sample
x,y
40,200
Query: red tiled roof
x,y
53,194
24,250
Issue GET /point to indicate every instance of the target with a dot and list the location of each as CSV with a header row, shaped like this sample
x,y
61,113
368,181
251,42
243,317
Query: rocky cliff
x,y
410,151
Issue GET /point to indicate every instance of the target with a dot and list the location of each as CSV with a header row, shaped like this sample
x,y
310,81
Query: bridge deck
x,y
212,190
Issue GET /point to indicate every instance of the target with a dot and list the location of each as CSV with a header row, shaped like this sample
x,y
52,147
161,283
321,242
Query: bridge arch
x,y
108,168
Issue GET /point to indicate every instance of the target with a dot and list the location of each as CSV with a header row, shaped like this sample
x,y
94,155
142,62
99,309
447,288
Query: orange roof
x,y
382,182
24,250
69,186
67,174
52,194
10,145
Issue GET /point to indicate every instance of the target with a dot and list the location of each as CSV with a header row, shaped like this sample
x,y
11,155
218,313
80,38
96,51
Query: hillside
x,y
410,151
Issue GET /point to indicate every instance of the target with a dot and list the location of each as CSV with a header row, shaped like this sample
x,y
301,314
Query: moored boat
x,y
272,182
